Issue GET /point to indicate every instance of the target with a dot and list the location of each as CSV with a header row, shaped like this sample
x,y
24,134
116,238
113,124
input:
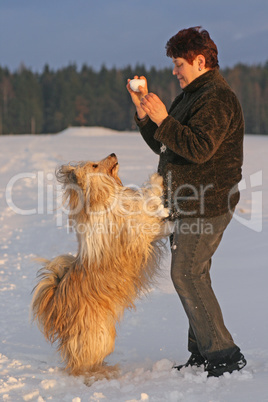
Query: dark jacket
x,y
200,145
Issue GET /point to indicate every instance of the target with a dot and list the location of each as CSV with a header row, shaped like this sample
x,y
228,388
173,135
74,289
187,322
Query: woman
x,y
200,143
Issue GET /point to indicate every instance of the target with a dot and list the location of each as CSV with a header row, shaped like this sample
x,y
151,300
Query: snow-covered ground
x,y
154,337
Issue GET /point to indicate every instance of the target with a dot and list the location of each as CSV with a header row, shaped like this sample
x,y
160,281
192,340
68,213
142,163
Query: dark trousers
x,y
194,242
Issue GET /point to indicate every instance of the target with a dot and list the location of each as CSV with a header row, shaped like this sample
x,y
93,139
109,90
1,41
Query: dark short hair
x,y
189,43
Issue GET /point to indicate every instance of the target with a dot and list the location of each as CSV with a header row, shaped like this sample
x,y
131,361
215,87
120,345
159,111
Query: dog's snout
x,y
113,155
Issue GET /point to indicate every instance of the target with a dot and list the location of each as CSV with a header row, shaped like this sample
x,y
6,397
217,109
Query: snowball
x,y
134,84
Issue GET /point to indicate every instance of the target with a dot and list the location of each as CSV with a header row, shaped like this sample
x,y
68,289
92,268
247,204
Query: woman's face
x,y
186,72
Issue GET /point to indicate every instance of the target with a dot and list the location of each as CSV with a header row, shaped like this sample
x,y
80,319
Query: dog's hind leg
x,y
86,350
102,372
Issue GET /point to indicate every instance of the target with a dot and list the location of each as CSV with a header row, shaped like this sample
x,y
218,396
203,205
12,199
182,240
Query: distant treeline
x,y
50,101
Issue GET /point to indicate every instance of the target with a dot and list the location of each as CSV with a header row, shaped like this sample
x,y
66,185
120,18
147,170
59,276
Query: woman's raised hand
x,y
137,96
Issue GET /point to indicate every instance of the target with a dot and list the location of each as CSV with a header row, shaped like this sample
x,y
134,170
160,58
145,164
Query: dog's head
x,y
90,185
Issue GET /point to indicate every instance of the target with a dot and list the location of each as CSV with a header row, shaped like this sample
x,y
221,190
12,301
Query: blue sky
x,y
122,32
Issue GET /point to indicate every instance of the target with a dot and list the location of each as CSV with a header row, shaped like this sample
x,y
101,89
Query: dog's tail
x,y
44,293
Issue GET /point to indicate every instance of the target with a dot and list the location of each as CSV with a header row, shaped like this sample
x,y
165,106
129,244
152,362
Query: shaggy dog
x,y
79,299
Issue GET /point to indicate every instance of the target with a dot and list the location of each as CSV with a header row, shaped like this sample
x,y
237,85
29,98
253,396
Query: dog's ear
x,y
66,174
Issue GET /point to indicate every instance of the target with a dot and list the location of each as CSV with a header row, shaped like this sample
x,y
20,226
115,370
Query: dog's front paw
x,y
156,182
162,212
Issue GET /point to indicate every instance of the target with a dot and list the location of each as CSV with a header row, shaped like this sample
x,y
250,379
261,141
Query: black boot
x,y
216,369
195,360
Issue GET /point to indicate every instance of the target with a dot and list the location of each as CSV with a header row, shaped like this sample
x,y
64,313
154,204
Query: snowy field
x,y
154,337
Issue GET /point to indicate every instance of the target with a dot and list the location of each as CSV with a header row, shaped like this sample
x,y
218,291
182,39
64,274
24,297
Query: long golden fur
x,y
78,300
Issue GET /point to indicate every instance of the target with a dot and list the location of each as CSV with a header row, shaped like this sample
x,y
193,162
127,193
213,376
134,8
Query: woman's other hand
x,y
152,105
